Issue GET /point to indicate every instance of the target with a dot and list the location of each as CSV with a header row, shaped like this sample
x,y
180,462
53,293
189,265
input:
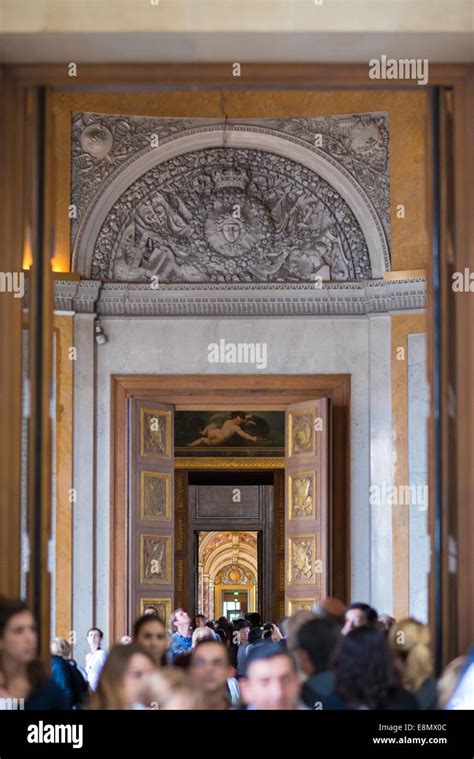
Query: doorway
x,y
168,529
228,573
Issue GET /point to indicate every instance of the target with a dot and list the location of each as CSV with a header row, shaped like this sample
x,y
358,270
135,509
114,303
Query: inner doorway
x,y
227,573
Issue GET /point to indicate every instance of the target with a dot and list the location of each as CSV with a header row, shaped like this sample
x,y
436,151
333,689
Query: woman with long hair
x,y
409,641
122,679
22,675
149,632
364,674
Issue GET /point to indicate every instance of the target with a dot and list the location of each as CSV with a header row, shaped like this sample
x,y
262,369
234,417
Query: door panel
x,y
151,513
306,504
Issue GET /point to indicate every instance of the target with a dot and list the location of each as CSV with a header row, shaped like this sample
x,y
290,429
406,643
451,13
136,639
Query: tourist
x,y
181,639
270,679
316,642
122,681
22,675
211,671
358,614
66,674
149,632
364,674
95,659
409,641
239,646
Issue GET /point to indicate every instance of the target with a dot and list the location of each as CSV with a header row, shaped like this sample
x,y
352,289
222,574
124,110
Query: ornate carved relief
x,y
247,207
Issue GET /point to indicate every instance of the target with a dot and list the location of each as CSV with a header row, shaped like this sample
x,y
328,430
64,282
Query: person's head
x,y
358,614
18,635
94,638
270,679
172,689
385,622
242,627
123,678
180,620
255,635
150,610
19,644
221,634
237,416
409,641
364,674
210,667
199,621
316,642
202,633
224,623
149,632
294,623
254,618
60,647
332,609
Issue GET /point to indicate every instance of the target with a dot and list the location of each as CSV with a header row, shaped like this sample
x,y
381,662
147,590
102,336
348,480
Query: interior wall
x,y
358,346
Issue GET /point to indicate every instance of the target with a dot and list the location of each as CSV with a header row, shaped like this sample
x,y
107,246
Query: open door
x,y
151,512
306,504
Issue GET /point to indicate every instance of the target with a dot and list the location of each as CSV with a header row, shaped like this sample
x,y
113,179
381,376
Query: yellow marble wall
x,y
402,326
64,329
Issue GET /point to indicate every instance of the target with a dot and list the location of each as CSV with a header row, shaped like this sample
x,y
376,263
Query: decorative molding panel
x,y
333,299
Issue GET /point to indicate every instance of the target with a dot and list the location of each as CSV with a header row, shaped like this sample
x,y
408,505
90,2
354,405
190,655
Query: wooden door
x,y
306,504
151,512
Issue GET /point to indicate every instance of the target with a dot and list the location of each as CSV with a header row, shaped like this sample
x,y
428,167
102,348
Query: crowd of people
x,y
333,657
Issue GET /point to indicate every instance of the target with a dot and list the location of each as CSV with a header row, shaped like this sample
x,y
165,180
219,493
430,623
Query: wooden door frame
x,y
275,389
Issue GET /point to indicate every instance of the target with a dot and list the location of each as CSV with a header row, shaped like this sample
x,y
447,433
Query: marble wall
x,y
359,346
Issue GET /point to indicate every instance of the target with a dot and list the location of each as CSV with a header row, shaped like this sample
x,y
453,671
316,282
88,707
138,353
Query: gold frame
x,y
291,416
297,475
293,601
228,462
291,580
167,539
160,475
156,412
144,602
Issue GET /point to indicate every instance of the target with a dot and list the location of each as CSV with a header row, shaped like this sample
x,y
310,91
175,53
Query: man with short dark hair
x,y
211,670
239,647
270,679
316,642
358,614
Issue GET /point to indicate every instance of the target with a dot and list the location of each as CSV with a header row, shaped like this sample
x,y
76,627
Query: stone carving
x,y
155,559
226,214
302,558
234,575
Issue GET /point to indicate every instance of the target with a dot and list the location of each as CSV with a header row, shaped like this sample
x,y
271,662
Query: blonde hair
x,y
60,647
410,642
202,633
